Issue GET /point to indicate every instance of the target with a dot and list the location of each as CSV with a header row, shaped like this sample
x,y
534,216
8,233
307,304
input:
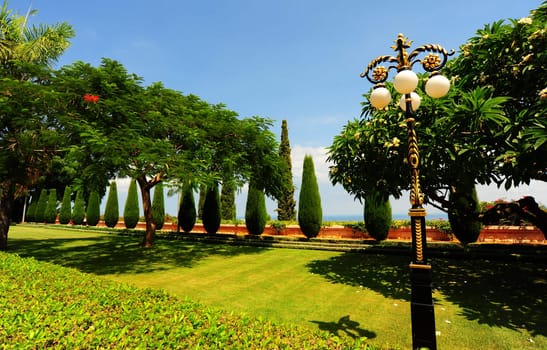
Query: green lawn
x,y
480,304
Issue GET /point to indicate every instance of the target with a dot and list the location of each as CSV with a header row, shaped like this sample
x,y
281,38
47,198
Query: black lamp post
x,y
405,82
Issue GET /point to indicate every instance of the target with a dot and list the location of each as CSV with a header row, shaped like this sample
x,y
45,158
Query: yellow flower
x,y
396,142
525,20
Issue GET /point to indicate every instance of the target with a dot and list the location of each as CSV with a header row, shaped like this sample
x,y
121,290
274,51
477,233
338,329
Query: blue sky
x,y
297,60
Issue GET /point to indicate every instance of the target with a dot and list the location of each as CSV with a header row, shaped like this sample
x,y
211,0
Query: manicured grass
x,y
479,303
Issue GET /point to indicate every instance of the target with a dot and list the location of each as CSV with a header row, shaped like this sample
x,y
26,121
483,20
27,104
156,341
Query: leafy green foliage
x,y
211,210
510,57
255,210
78,212
41,206
40,309
131,209
158,206
50,212
112,209
93,212
29,137
187,209
310,212
377,215
65,213
286,205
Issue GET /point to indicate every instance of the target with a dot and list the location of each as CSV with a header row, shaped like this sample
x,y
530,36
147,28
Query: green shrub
x,y
39,215
255,210
112,208
211,210
30,215
131,209
93,212
158,206
51,207
65,213
310,213
187,210
377,214
463,214
78,212
228,201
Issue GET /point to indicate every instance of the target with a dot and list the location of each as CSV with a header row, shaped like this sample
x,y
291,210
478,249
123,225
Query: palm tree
x,y
37,44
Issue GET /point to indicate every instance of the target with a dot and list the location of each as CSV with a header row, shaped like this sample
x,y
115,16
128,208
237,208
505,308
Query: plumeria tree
x,y
488,129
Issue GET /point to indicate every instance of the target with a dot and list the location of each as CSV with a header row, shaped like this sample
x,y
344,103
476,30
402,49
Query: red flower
x,y
91,98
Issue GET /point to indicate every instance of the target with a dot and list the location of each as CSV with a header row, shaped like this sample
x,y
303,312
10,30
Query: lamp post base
x,y
421,308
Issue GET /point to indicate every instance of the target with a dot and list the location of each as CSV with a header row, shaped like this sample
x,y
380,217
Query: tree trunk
x,y
148,213
6,201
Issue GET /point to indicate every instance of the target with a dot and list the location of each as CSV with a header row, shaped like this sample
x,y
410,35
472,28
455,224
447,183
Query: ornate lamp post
x,y
405,82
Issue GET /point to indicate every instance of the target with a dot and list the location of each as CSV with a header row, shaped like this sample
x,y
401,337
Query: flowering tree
x,y
487,130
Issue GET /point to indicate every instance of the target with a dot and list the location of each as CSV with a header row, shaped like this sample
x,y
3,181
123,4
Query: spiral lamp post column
x,y
405,82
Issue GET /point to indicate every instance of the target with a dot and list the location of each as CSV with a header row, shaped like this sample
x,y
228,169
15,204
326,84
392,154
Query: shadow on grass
x,y
111,254
345,327
496,293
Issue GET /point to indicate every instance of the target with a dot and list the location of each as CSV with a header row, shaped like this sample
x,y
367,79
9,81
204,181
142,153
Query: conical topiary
x,y
286,205
41,206
50,214
310,213
158,206
131,209
463,213
31,210
187,210
78,212
93,212
211,210
377,213
255,210
112,208
65,213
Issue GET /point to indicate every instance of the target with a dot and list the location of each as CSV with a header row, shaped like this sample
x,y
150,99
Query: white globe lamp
x,y
415,98
437,86
380,97
405,81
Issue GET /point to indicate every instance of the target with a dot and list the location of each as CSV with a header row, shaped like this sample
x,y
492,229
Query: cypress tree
x,y
228,200
286,204
211,210
201,200
78,212
50,212
158,206
377,215
112,208
31,210
310,213
93,212
131,209
65,213
39,215
255,210
463,213
187,209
